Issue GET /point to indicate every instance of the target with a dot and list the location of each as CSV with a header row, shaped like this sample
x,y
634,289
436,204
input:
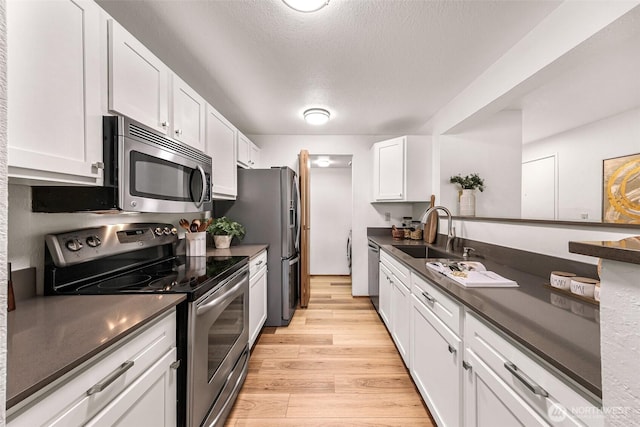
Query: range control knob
x,y
73,245
94,241
167,231
158,231
174,231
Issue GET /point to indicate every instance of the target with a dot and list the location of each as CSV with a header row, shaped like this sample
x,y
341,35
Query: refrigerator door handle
x,y
298,225
294,260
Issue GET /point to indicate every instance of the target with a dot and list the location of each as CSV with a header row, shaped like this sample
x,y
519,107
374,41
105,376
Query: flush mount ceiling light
x,y
306,5
316,116
323,163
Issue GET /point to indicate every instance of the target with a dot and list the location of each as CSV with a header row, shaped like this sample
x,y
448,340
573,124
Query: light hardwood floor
x,y
334,365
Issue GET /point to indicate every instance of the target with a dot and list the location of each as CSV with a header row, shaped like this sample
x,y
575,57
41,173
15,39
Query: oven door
x,y
153,179
218,339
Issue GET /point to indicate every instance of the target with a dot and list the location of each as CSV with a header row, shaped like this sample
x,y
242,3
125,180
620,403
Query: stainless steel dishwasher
x,y
374,273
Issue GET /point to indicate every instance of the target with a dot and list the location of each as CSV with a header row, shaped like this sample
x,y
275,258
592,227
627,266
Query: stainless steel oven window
x,y
224,333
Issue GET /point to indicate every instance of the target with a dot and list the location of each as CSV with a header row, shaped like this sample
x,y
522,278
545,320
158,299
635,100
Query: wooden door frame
x,y
305,228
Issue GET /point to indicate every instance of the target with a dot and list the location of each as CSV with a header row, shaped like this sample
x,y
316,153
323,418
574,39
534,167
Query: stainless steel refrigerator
x,y
268,205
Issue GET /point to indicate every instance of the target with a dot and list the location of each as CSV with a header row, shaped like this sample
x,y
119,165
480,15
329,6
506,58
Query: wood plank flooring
x,y
334,365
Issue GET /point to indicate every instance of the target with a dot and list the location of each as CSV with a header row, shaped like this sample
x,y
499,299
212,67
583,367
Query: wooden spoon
x,y
185,224
205,224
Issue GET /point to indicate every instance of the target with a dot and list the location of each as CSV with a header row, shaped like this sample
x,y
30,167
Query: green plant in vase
x,y
467,197
223,230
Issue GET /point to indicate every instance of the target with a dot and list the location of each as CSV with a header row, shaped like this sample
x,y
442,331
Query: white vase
x,y
467,203
222,242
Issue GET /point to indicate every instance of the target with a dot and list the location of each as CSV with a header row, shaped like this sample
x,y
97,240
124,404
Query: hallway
x,y
334,365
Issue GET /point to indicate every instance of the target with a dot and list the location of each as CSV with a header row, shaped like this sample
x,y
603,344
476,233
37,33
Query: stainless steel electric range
x,y
212,331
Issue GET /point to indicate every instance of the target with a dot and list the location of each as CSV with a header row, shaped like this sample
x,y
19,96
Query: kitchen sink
x,y
418,251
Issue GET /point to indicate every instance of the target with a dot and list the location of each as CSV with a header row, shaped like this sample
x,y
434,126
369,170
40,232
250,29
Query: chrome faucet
x,y
451,232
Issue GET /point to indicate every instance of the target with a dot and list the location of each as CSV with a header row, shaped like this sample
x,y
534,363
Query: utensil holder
x,y
196,244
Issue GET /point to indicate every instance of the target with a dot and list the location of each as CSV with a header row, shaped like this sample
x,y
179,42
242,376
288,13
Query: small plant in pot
x,y
469,182
223,230
467,200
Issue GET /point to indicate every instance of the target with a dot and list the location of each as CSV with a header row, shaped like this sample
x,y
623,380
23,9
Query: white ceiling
x,y
382,67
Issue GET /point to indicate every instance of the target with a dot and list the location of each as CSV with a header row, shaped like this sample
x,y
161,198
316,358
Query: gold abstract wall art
x,y
621,195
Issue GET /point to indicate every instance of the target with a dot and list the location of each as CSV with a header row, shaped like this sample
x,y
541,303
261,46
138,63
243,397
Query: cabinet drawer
x,y
541,387
68,399
443,306
396,267
258,262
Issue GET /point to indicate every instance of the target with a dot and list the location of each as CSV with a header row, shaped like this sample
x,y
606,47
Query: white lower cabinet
x,y
133,382
468,372
257,295
385,295
436,357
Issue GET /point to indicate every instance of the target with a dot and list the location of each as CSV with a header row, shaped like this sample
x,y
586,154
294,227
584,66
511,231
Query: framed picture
x,y
621,193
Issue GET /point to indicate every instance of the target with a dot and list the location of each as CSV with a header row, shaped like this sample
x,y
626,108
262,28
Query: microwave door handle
x,y
204,186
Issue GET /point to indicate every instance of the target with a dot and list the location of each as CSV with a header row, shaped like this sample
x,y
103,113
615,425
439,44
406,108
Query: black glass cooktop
x,y
191,275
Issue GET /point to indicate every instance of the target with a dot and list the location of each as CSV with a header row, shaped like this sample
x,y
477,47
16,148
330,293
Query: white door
x,y
385,295
221,146
489,402
436,364
149,401
257,304
539,188
54,112
244,151
254,155
188,114
401,318
138,80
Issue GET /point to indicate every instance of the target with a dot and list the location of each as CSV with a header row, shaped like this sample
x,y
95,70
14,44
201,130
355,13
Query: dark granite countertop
x,y
562,330
239,250
49,336
625,250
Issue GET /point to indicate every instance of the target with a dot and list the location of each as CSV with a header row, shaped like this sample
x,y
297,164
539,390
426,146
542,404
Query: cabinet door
x,y
138,80
401,318
385,295
257,304
254,155
436,365
221,146
244,151
188,114
389,169
54,111
149,401
489,402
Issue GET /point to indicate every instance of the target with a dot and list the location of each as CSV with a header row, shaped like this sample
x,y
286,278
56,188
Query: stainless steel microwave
x,y
144,171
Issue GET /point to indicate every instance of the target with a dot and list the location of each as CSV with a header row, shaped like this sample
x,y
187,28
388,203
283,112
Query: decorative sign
x,y
621,196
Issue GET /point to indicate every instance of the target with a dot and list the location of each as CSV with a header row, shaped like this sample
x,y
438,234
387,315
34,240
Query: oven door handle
x,y
211,304
204,186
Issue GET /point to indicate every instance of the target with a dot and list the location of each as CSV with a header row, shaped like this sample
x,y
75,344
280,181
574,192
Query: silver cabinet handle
x,y
110,378
164,124
175,365
259,262
428,297
452,350
524,379
178,132
97,165
466,366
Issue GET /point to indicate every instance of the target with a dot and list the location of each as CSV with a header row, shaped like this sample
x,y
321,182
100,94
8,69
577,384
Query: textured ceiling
x,y
380,66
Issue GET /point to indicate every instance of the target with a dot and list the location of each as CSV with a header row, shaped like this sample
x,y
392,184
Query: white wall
x,y
283,150
3,212
493,150
580,154
26,229
330,219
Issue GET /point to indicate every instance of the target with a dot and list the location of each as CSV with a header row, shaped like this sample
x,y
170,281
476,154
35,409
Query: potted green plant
x,y
223,230
468,185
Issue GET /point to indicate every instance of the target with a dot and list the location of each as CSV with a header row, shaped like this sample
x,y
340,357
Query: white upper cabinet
x,y
248,152
221,146
138,80
402,169
188,111
54,111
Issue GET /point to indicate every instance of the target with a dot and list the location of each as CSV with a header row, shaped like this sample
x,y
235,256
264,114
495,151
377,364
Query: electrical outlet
x,y
387,216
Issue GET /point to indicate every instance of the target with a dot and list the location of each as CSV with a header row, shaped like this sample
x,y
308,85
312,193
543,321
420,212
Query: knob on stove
x,y
167,231
94,241
158,231
73,245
